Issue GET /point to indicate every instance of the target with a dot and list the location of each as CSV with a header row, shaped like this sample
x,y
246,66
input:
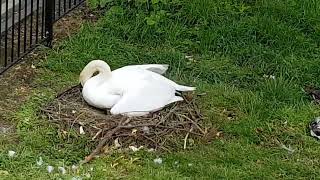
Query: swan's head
x,y
95,66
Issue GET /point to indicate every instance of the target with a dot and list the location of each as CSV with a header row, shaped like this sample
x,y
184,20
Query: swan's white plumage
x,y
133,90
157,68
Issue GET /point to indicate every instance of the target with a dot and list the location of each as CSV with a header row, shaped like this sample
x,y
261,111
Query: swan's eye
x,y
95,73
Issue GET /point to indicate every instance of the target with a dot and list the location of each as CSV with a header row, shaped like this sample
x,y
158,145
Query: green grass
x,y
234,44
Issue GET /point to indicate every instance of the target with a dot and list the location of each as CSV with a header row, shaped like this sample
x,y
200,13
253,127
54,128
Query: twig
x,y
166,116
138,125
194,123
150,139
105,138
67,91
196,109
52,112
97,134
179,129
186,138
100,145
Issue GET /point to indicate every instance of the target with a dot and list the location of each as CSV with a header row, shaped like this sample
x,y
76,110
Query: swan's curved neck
x,y
103,69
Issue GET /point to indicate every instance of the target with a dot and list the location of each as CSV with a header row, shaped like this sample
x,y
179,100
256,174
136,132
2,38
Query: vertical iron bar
x,y
0,32
70,4
25,26
64,6
59,6
54,9
12,32
49,21
42,19
6,36
37,22
31,23
19,28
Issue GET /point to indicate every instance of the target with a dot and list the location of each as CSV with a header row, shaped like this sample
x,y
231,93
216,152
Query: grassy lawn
x,y
235,45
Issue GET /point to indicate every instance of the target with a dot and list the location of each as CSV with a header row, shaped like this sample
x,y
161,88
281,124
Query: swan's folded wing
x,y
156,68
147,97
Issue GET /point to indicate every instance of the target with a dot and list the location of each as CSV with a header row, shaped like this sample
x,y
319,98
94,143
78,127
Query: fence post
x,y
49,10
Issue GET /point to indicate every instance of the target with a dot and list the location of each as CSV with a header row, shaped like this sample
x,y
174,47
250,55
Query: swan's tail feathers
x,y
176,99
185,88
156,68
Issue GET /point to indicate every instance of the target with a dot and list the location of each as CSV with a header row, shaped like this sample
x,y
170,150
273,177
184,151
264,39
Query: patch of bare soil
x,y
177,126
70,23
17,83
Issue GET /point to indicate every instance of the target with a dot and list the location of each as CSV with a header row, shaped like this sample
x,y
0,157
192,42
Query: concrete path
x,y
69,4
16,11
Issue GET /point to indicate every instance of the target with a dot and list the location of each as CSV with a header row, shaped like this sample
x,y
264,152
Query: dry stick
x,y
166,116
194,123
162,146
179,129
95,127
186,138
69,90
105,138
52,112
159,126
154,142
196,109
96,151
131,135
73,122
138,125
97,134
66,116
192,115
47,111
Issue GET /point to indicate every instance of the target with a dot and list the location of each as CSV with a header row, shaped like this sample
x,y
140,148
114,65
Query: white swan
x,y
134,90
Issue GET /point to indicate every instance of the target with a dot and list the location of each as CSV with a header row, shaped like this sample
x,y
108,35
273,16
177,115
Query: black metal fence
x,y
24,24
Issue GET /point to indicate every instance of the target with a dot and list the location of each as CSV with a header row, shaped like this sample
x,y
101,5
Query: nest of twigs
x,y
175,126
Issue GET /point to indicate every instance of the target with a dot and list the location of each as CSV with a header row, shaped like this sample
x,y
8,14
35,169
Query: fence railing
x,y
24,24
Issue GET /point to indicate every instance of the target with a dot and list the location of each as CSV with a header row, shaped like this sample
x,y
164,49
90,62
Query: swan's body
x,y
133,90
